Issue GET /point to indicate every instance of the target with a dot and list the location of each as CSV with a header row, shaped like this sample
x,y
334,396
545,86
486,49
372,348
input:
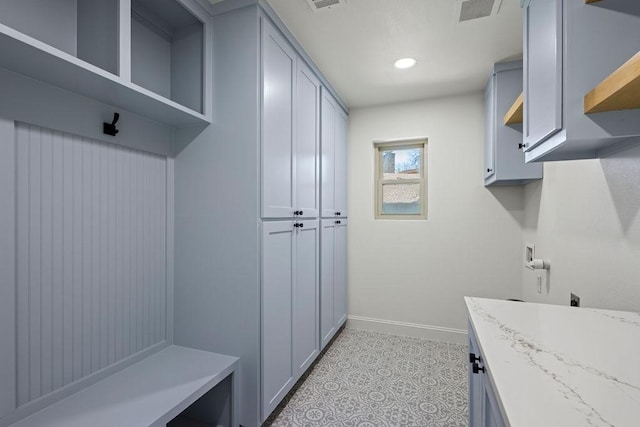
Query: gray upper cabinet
x,y
333,158
489,130
504,159
543,70
290,130
278,71
307,141
564,60
151,58
340,183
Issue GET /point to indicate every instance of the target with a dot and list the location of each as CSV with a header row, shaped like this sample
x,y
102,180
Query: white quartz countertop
x,y
560,366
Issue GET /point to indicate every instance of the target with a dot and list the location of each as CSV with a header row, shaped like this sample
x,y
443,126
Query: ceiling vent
x,y
318,5
466,10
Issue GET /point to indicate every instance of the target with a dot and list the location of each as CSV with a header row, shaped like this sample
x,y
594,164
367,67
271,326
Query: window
x,y
400,179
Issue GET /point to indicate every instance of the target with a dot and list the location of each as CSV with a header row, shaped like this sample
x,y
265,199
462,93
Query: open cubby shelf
x,y
75,45
619,91
514,115
167,43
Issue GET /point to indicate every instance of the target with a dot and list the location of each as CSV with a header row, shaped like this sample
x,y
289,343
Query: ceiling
x,y
355,46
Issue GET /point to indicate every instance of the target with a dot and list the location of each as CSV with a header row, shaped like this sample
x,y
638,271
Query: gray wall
x,y
410,277
85,262
584,218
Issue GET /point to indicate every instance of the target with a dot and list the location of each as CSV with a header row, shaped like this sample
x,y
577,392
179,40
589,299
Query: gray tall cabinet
x,y
333,237
247,211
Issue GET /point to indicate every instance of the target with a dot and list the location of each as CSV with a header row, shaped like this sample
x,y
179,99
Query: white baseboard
x,y
415,330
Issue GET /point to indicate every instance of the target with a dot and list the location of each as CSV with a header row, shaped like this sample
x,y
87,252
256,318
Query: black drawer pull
x,y
476,368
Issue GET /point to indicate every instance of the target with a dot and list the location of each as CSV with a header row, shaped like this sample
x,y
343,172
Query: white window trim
x,y
379,146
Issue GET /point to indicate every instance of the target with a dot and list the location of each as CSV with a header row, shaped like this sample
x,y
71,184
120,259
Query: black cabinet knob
x,y
473,358
521,146
301,225
489,170
300,213
337,213
296,225
296,213
338,222
476,368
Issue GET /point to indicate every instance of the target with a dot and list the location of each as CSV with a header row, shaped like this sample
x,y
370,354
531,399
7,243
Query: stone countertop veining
x,y
556,365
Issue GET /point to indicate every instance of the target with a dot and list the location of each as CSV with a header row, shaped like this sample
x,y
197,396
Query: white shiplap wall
x,y
91,257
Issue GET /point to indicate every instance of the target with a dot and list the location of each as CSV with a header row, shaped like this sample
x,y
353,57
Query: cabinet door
x,y
277,302
476,389
307,141
340,272
542,71
327,277
327,155
278,71
306,303
489,128
492,416
340,183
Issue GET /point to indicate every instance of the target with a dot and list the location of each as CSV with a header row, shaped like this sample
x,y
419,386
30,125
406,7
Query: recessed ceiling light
x,y
404,63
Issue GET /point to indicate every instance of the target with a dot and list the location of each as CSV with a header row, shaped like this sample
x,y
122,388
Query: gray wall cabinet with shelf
x,y
247,277
504,158
564,59
484,410
104,51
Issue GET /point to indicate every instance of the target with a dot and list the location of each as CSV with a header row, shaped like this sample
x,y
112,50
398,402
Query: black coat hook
x,y
110,128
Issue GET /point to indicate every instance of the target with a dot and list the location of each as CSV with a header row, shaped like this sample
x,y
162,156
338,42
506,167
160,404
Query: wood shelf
x,y
514,116
619,91
25,55
591,1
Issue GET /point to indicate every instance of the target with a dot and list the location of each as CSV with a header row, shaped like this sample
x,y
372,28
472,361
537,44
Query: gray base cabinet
x,y
504,159
333,278
289,305
564,59
483,406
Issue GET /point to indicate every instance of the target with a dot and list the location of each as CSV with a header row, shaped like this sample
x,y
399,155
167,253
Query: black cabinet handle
x,y
338,222
337,213
296,225
295,213
300,213
301,225
489,170
476,368
473,358
521,146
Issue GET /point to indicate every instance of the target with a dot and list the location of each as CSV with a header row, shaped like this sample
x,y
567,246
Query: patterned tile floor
x,y
367,379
